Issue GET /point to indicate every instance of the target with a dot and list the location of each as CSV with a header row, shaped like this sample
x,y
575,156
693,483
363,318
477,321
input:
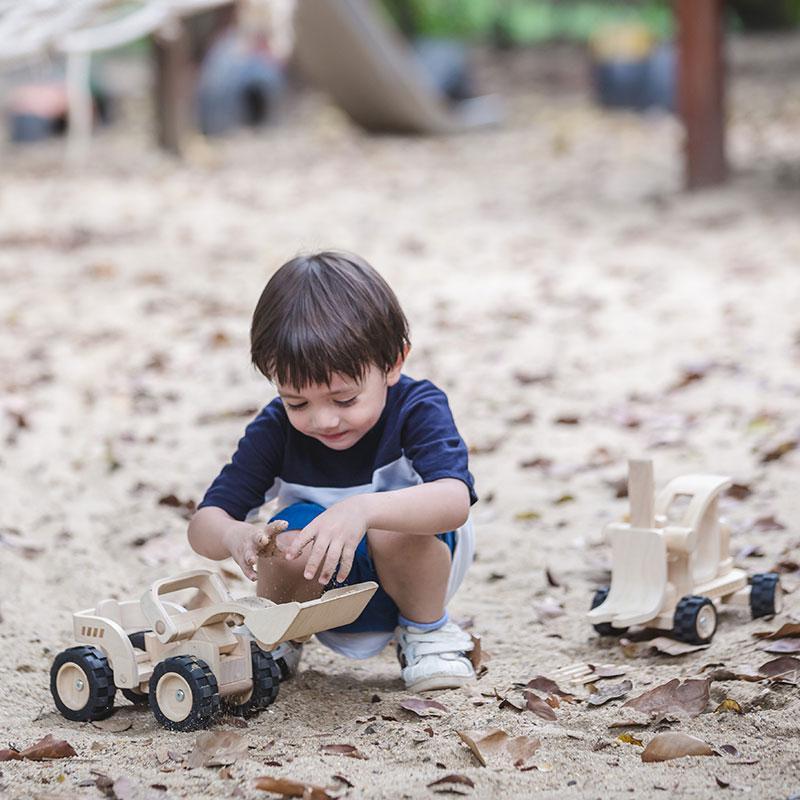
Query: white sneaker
x,y
287,656
434,659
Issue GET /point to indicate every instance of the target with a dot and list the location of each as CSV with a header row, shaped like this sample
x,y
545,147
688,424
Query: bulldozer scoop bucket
x,y
278,623
638,578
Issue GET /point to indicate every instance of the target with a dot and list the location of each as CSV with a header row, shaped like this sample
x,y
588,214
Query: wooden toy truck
x,y
188,661
671,565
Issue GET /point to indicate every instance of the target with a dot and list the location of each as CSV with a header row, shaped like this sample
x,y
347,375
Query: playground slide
x,y
348,49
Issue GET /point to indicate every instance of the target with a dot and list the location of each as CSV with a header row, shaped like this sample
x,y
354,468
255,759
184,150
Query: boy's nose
x,y
326,421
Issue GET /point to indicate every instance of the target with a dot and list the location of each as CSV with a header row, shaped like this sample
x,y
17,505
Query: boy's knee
x,y
391,543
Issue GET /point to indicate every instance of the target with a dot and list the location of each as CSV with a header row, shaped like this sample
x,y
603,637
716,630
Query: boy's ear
x,y
393,375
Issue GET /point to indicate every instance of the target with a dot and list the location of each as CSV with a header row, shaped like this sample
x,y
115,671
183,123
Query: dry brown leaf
x,y
567,419
527,516
673,744
781,646
526,378
497,744
629,738
217,749
785,630
539,462
551,578
453,778
424,708
290,788
779,451
670,647
769,523
517,702
613,691
541,684
687,698
538,706
739,491
47,747
476,654
349,750
10,754
785,668
728,704
523,418
690,375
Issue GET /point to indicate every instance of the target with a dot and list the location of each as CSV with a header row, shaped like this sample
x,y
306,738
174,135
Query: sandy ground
x,y
578,308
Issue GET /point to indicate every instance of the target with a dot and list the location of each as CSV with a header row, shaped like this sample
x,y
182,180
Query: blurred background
x,y
589,211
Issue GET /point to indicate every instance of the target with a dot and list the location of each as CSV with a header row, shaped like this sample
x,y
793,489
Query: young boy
x,y
367,466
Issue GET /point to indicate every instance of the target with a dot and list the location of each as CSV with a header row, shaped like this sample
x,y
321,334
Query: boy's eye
x,y
345,402
295,406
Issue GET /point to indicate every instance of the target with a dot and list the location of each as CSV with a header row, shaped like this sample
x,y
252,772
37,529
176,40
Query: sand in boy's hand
x,y
268,546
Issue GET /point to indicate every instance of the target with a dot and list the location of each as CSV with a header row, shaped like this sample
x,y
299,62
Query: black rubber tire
x,y
137,697
266,682
763,590
204,699
687,613
100,678
605,628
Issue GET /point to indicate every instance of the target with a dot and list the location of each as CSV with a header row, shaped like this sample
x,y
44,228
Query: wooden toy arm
x,y
168,628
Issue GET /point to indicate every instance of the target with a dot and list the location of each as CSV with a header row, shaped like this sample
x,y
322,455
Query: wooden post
x,y
172,86
641,493
701,79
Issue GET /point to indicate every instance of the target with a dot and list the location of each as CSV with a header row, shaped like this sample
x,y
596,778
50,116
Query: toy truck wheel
x,y
82,684
605,628
266,682
184,695
136,696
766,596
695,620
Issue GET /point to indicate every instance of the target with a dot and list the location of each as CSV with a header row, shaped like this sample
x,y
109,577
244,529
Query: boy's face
x,y
339,414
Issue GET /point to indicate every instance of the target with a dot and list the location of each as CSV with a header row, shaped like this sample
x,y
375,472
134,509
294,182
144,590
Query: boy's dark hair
x,y
326,313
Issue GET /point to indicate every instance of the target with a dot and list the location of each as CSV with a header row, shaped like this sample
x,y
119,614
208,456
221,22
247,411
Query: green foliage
x,y
526,21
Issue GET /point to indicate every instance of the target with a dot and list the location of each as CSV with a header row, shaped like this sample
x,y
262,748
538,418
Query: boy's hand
x,y
335,534
247,542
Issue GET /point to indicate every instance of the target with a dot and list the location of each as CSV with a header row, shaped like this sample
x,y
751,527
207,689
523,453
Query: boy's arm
x,y
435,507
215,534
429,508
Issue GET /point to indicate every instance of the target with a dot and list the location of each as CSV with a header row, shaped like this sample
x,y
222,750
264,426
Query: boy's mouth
x,y
333,437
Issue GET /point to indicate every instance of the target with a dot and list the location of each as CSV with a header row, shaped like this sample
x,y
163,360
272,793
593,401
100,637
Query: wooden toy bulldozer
x,y
188,657
671,566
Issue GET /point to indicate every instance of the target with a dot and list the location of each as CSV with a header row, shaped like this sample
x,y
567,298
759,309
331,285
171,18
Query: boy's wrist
x,y
230,535
363,506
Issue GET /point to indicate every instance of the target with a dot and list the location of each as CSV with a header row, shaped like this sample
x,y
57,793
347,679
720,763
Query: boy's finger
x,y
315,558
247,568
345,564
266,545
331,561
299,541
277,526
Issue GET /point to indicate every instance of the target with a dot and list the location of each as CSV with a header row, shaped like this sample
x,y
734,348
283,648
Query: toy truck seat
x,y
710,557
